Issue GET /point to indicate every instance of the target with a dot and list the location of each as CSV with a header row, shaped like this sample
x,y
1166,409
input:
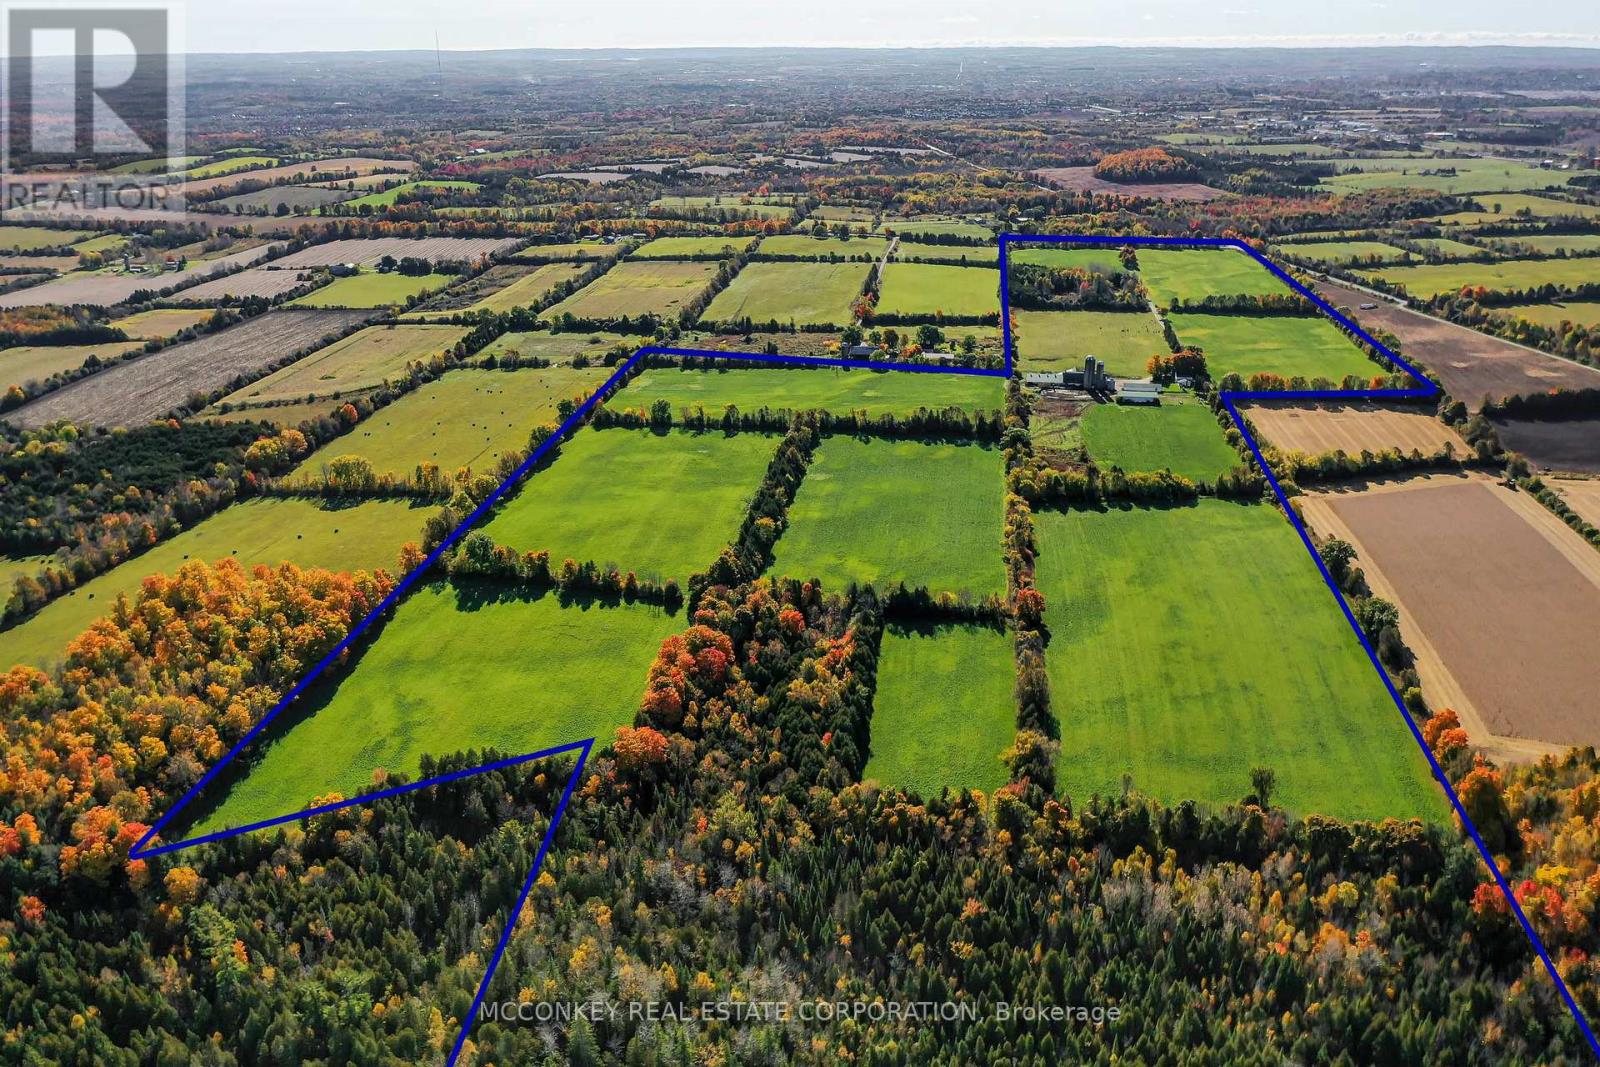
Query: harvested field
x,y
572,250
298,199
40,264
29,363
500,289
804,293
257,281
150,386
366,252
314,170
1554,444
1314,428
1083,180
160,323
362,361
106,289
33,238
1582,495
1471,365
1460,557
641,287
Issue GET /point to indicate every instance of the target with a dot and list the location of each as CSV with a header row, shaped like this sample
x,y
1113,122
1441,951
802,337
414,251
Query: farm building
x,y
1092,377
1138,393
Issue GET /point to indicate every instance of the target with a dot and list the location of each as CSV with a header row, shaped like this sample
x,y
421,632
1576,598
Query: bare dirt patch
x,y
150,386
1315,428
1472,365
1498,599
257,281
1083,180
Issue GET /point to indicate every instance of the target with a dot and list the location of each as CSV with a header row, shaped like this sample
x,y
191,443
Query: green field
x,y
1444,246
531,287
362,361
1103,260
888,512
1189,645
1343,251
962,255
875,392
571,250
538,674
228,166
1196,273
289,415
157,166
363,537
1057,340
14,567
161,323
464,419
1288,345
929,289
803,293
823,247
911,229
739,206
27,363
1472,176
673,247
1180,435
661,505
106,244
843,213
33,238
557,347
1546,244
1508,207
389,196
944,710
1430,279
638,287
1583,312
372,290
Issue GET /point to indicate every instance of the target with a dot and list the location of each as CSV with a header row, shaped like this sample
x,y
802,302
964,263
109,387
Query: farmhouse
x,y
1138,393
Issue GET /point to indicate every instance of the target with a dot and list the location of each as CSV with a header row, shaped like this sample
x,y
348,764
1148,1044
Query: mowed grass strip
x,y
807,294
1427,280
372,290
674,247
875,392
454,671
661,505
944,710
464,419
1289,345
638,287
1193,274
1189,645
361,537
29,363
364,360
795,244
1058,340
932,289
1180,435
886,512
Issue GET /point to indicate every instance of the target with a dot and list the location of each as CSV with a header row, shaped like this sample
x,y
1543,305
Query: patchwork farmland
x,y
631,289
362,361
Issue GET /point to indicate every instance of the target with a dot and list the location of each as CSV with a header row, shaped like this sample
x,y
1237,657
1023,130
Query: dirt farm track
x,y
1493,591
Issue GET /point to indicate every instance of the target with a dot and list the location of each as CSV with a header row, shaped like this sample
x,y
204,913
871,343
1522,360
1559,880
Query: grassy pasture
x,y
33,238
557,347
228,166
464,419
1196,273
1444,246
875,392
372,290
27,363
1512,206
1057,340
1472,176
944,710
660,505
1189,645
638,287
530,285
157,166
14,567
1343,251
888,512
1569,242
571,250
740,206
364,360
363,537
843,213
1104,260
1583,312
795,244
673,247
927,289
1278,344
1181,435
289,415
805,293
388,196
161,323
1428,279
911,229
538,675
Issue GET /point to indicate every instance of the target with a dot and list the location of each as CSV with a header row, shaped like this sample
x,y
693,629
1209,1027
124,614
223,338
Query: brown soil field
x,y
1082,180
109,289
1472,365
257,281
150,386
1498,599
368,251
1554,444
1315,428
1581,495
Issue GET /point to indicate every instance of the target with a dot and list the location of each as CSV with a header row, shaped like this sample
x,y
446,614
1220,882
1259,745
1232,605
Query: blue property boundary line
x,y
584,748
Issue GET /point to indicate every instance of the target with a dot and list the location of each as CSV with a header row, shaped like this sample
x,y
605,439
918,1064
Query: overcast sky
x,y
307,25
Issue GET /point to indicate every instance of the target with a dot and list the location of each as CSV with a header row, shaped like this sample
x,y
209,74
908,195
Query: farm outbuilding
x,y
1138,393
